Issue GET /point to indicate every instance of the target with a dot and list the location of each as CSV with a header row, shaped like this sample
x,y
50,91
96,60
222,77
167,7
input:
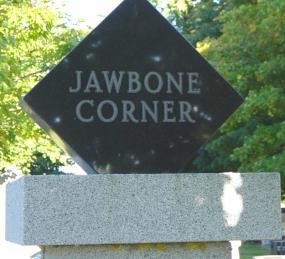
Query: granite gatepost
x,y
134,101
142,215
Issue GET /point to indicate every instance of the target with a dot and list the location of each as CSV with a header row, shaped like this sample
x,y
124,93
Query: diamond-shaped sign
x,y
133,97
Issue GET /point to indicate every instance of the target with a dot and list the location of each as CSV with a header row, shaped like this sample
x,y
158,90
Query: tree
x,y
41,163
33,38
196,20
250,54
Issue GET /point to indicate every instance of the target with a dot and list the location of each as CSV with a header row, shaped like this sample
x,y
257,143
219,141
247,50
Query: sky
x,y
91,11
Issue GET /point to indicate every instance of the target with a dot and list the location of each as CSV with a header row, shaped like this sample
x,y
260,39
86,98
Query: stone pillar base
x,y
143,208
218,250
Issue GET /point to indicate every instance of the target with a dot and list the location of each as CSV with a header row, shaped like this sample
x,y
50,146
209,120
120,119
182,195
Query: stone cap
x,y
143,208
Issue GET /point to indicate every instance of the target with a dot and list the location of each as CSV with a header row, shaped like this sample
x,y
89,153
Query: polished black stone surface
x,y
133,97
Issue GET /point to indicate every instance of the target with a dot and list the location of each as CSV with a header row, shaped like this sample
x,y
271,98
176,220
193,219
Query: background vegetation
x,y
243,39
33,38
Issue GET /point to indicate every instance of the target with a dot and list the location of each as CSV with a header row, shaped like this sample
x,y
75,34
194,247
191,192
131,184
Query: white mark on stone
x,y
199,200
57,120
232,201
195,108
156,58
90,56
205,116
96,44
108,168
137,162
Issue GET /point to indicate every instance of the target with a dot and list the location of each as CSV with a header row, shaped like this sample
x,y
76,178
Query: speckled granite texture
x,y
221,250
143,208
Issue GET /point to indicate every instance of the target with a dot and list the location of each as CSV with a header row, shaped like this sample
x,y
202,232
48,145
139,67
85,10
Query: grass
x,y
247,251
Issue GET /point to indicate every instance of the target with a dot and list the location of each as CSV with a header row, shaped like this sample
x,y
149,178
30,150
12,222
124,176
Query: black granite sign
x,y
133,97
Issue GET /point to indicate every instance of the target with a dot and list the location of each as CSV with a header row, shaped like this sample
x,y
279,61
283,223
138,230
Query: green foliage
x,y
41,163
32,40
245,41
196,20
249,250
230,4
250,54
6,174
